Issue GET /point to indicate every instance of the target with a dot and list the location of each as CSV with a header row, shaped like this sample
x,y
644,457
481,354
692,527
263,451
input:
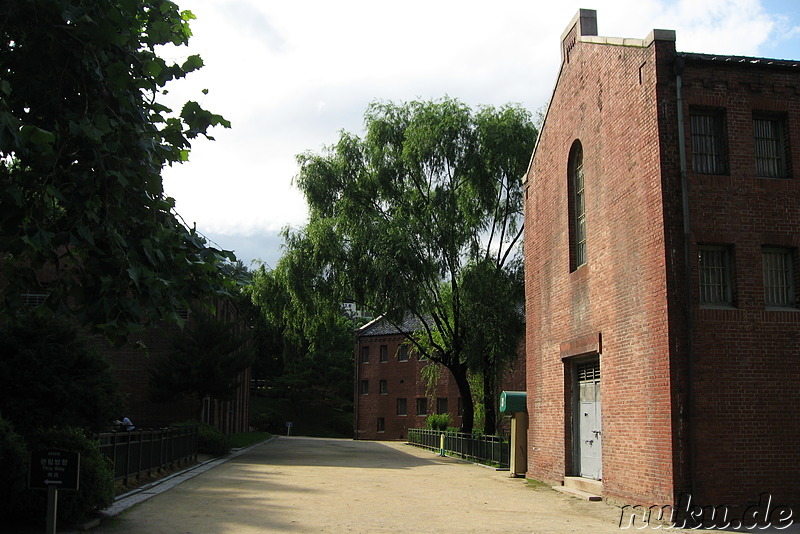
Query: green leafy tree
x,y
315,338
83,141
396,216
206,359
493,320
51,375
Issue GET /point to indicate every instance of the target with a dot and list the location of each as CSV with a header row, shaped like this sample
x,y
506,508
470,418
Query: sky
x,y
290,76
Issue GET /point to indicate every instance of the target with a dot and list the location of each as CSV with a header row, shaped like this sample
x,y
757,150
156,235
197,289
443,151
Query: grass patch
x,y
245,439
537,484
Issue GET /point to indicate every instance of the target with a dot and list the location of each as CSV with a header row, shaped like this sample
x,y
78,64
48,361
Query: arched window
x,y
577,207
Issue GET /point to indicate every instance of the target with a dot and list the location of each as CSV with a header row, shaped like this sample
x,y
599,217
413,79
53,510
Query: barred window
x,y
770,146
715,276
441,405
402,407
381,424
779,288
31,299
577,207
709,144
422,406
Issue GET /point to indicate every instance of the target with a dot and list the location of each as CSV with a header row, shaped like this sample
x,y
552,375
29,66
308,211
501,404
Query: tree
x,y
315,337
396,216
493,324
51,375
206,359
83,141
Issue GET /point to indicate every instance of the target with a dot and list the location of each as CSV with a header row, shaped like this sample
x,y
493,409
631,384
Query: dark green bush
x,y
209,439
268,421
96,479
50,374
14,460
269,412
212,441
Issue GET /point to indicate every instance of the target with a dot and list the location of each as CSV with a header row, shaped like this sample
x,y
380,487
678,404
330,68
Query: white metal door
x,y
589,421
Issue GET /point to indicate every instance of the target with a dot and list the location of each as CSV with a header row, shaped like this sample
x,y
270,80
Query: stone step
x,y
582,488
572,492
588,485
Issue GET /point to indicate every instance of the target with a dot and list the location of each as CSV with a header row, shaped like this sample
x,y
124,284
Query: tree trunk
x,y
490,415
459,372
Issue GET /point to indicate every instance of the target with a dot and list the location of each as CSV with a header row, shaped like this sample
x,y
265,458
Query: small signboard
x,y
54,468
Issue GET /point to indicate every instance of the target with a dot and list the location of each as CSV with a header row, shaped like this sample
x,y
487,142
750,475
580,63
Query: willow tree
x,y
83,140
396,216
314,338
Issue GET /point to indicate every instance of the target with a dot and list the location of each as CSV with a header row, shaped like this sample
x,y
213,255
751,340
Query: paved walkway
x,y
326,485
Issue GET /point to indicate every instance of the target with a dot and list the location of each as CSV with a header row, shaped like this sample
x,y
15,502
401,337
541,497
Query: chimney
x,y
583,23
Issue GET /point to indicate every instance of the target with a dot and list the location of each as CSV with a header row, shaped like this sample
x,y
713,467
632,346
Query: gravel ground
x,y
297,484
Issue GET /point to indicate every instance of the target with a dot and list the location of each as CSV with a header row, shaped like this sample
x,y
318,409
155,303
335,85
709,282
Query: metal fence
x,y
144,452
494,450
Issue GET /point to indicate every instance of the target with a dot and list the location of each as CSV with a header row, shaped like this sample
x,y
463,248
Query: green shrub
x,y
212,441
268,420
14,460
96,478
438,421
209,439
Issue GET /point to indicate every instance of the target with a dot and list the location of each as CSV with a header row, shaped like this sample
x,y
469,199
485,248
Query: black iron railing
x,y
144,452
492,450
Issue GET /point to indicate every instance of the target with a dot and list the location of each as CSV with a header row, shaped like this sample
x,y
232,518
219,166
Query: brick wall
x,y
606,98
747,357
693,398
404,381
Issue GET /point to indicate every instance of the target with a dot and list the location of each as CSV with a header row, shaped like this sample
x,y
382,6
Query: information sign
x,y
54,468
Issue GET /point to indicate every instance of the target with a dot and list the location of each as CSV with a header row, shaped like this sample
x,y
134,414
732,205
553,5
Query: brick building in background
x,y
132,362
662,233
390,393
131,366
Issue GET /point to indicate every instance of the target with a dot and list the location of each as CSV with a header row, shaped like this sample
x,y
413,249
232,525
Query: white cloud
x,y
291,75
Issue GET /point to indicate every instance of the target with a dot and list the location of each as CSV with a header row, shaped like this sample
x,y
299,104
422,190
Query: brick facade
x,y
401,373
694,398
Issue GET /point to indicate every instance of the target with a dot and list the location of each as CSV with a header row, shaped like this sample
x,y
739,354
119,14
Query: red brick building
x,y
390,392
662,234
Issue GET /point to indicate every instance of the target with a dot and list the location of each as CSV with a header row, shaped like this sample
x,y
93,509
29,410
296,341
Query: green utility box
x,y
513,402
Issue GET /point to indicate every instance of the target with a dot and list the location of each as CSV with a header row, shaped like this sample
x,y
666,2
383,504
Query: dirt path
x,y
326,485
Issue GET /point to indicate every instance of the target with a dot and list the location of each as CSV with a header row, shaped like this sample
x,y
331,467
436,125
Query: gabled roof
x,y
381,327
